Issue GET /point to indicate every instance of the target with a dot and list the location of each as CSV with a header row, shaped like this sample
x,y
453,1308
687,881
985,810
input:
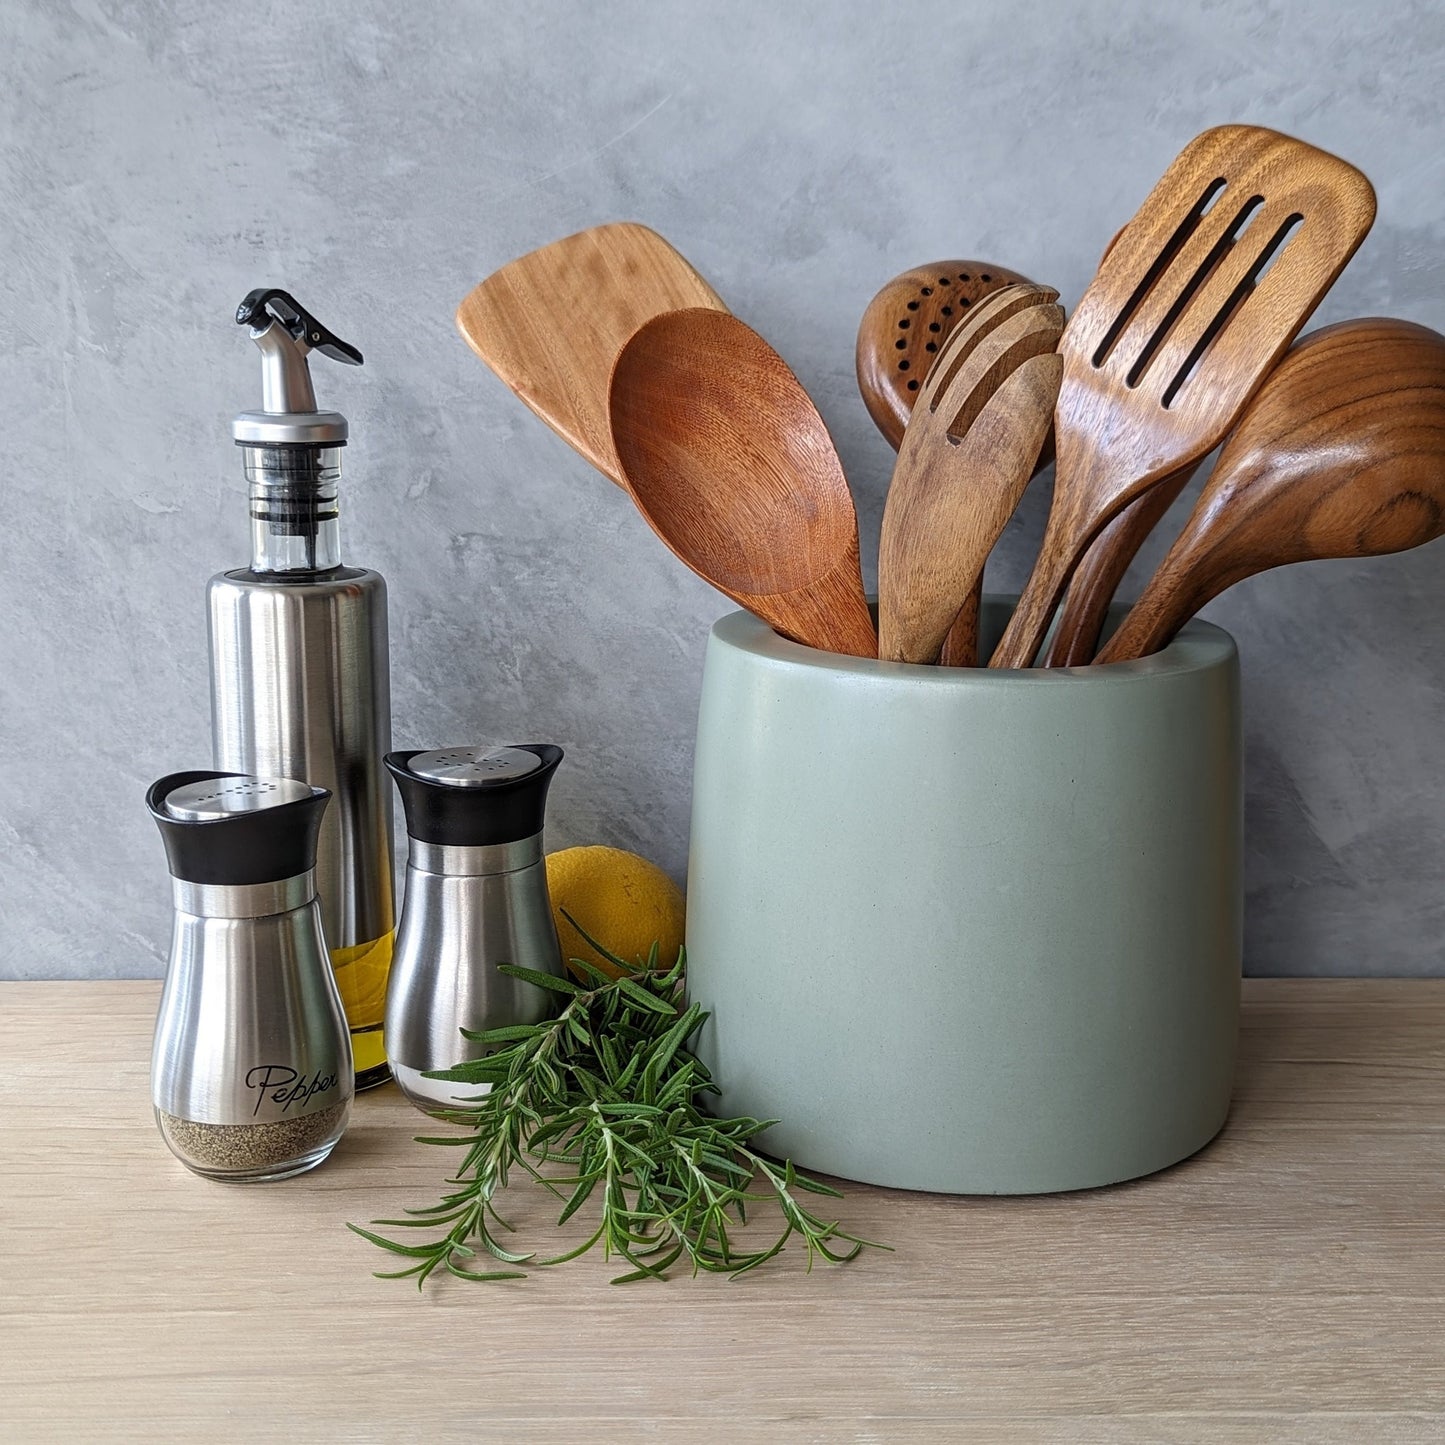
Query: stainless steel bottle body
x,y
251,1072
300,688
466,910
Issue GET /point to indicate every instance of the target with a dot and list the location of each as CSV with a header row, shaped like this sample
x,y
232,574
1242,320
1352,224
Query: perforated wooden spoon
x,y
1205,289
968,452
730,463
1340,454
905,327
552,323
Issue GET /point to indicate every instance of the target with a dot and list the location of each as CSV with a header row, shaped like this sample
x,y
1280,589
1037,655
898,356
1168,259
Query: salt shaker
x,y
476,897
251,1076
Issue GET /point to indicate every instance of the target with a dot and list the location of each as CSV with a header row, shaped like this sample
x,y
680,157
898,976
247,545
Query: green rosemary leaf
x,y
549,981
507,1034
611,957
397,1273
643,999
484,1275
413,1251
580,1196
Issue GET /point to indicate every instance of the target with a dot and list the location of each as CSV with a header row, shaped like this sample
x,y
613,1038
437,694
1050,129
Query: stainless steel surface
x,y
300,688
465,862
320,428
225,797
474,767
250,1011
285,372
454,932
243,900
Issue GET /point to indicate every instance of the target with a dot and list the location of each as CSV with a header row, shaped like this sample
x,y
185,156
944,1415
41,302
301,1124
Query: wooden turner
x,y
1341,453
968,452
1204,290
552,323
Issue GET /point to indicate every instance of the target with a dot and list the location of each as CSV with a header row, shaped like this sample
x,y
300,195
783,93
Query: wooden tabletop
x,y
1286,1284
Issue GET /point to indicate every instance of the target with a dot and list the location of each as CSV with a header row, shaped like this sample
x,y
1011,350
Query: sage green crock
x,y
962,930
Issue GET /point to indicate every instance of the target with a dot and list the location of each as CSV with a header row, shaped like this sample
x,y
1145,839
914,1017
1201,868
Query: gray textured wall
x,y
157,161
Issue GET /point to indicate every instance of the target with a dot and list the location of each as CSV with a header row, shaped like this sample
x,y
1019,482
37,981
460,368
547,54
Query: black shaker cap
x,y
503,809
270,837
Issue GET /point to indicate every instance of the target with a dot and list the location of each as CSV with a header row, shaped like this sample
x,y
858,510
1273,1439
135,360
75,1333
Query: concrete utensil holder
x,y
969,931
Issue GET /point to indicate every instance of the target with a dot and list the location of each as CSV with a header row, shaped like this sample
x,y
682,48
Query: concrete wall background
x,y
157,161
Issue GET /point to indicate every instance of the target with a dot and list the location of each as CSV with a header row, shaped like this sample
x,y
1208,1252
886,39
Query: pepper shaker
x,y
476,896
251,1075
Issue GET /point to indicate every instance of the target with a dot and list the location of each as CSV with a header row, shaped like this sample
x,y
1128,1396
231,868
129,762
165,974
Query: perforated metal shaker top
x,y
474,767
215,798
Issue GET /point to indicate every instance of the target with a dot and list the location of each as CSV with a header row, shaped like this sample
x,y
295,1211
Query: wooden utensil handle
x,y
1056,561
1173,595
960,647
1097,577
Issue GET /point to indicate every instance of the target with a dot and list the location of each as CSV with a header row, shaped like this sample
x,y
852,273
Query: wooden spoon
x,y
729,461
552,322
968,452
1205,289
1340,454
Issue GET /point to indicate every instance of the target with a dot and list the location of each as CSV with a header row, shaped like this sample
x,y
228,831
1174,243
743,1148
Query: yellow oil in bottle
x,y
361,974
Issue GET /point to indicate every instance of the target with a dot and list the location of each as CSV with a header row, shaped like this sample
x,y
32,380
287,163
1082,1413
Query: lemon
x,y
626,903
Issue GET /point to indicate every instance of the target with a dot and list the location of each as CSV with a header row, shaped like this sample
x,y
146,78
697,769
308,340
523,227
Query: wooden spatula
x,y
1203,292
1099,573
1341,453
968,452
552,323
727,458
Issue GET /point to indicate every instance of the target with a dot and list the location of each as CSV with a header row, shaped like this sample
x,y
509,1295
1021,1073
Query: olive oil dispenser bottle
x,y
300,680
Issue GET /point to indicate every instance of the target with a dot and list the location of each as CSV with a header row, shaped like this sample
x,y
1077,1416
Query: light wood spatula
x,y
1341,453
1200,296
552,323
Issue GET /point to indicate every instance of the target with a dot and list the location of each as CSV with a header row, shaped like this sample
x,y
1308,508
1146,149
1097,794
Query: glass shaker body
x,y
251,1074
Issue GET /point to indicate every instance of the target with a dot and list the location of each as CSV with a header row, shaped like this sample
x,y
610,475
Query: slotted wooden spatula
x,y
1201,295
552,323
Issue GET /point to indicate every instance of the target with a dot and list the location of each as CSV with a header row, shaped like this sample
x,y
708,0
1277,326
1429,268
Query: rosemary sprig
x,y
602,1103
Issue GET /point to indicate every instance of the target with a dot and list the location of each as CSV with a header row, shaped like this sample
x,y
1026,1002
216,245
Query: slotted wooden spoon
x,y
1340,454
1205,289
552,323
968,452
731,465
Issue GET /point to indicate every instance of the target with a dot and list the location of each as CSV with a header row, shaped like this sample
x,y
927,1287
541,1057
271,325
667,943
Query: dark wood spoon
x,y
1341,453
